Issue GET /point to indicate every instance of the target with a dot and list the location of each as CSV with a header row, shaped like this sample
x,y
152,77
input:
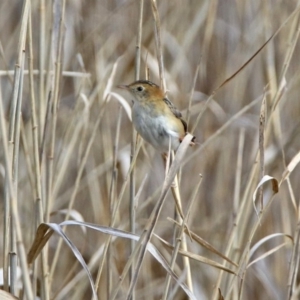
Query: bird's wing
x,y
184,125
173,108
176,112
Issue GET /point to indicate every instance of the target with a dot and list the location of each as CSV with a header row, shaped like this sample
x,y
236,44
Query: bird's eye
x,y
139,88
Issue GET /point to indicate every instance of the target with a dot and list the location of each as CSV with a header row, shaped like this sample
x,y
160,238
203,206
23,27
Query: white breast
x,y
154,129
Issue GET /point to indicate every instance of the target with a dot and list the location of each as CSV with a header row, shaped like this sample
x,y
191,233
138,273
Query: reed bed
x,y
88,209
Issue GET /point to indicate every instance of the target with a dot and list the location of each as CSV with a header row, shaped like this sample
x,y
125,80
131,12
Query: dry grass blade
x,y
7,296
203,243
45,231
146,236
220,295
266,254
275,188
261,142
202,258
41,239
245,255
228,68
206,261
268,238
124,104
221,129
73,214
37,72
247,62
273,250
158,44
290,167
259,50
150,247
292,289
181,238
11,200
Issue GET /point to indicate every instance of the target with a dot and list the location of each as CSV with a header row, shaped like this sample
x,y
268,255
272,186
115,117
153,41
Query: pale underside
x,y
155,129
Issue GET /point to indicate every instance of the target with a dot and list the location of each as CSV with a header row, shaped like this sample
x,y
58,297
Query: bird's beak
x,y
124,87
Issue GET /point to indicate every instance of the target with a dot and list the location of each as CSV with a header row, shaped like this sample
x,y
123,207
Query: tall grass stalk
x,y
68,150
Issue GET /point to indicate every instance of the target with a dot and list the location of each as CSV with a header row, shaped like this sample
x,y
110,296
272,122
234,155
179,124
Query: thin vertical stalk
x,y
175,191
42,52
77,181
57,78
139,42
14,207
188,112
180,242
15,173
149,228
158,45
35,127
11,160
186,261
208,35
6,238
159,50
38,186
115,214
262,121
56,88
132,211
112,196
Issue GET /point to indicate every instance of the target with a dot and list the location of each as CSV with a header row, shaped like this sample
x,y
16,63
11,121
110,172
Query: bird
x,y
155,117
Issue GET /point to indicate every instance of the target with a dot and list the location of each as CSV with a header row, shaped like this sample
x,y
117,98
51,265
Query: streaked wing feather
x,y
184,124
173,108
176,112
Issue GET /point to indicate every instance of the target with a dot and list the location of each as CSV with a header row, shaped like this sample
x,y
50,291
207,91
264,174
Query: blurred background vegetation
x,y
98,53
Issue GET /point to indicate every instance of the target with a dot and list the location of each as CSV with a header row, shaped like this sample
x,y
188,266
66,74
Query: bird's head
x,y
143,90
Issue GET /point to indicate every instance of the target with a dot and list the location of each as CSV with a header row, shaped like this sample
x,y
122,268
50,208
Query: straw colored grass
x,y
86,205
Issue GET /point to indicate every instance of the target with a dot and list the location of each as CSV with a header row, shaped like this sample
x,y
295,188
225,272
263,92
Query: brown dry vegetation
x,y
85,134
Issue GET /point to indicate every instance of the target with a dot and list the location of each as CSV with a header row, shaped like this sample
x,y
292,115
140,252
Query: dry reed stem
x,y
212,41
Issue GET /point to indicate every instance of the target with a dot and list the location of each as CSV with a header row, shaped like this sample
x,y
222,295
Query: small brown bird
x,y
155,117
